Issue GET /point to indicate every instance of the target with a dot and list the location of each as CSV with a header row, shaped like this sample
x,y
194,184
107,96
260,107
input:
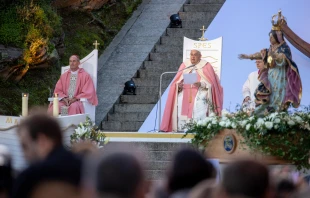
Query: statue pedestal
x,y
226,146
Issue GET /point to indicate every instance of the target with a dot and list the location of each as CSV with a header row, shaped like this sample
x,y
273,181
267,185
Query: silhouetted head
x,y
246,178
120,175
188,168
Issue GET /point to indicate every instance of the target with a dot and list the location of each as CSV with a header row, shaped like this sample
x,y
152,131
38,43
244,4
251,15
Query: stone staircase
x,y
155,156
130,111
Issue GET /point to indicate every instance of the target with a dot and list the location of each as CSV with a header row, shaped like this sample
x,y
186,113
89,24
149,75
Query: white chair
x,y
90,65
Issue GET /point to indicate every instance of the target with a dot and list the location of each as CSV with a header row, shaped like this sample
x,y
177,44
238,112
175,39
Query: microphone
x,y
187,67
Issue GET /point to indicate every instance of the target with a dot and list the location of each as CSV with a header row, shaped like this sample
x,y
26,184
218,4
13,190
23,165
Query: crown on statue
x,y
277,20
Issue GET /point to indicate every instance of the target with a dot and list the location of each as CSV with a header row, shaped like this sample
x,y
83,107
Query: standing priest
x,y
192,102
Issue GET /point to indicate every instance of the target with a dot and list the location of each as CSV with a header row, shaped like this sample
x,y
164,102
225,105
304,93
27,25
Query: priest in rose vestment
x,y
73,85
192,102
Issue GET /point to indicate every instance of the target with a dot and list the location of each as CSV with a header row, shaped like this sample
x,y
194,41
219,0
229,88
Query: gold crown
x,y
276,25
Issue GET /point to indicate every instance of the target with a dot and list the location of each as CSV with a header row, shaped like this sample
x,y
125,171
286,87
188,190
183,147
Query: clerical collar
x,y
75,72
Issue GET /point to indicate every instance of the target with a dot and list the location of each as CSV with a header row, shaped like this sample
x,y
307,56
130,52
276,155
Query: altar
x,y
9,137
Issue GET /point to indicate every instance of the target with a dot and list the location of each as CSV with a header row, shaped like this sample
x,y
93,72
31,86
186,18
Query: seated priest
x,y
73,85
192,102
250,86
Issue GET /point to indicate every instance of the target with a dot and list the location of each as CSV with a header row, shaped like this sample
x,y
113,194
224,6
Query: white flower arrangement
x,y
284,135
88,131
271,122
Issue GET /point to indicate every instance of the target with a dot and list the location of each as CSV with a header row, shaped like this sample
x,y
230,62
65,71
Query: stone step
x,y
155,174
153,81
128,117
181,32
128,108
175,41
157,155
146,73
196,25
169,65
151,90
143,73
212,7
168,48
206,1
139,99
193,16
165,56
156,165
121,126
149,146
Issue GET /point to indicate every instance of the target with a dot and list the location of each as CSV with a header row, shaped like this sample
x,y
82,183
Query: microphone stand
x,y
160,83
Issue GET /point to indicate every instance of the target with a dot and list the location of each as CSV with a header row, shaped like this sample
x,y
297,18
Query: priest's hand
x,y
180,86
66,101
197,84
72,101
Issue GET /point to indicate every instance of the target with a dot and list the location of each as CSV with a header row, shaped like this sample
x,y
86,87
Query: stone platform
x,y
157,149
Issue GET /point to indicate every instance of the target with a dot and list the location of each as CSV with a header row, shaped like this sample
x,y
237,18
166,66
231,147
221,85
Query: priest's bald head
x,y
195,56
74,62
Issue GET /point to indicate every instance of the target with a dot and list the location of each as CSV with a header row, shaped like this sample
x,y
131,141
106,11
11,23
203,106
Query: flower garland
x,y
88,131
285,135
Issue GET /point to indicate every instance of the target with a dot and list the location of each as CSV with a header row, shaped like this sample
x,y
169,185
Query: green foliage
x,y
11,28
284,135
82,29
37,83
29,24
43,25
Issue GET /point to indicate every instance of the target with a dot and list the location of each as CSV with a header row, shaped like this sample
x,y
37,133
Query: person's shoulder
x,y
204,62
84,72
65,73
61,155
26,180
253,74
187,62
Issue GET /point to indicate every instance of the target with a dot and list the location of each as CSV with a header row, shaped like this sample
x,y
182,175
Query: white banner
x,y
9,121
211,51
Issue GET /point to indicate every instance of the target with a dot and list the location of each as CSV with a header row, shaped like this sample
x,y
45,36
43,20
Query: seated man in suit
x,y
73,85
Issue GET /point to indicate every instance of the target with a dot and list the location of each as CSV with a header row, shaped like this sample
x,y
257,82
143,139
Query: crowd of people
x,y
55,171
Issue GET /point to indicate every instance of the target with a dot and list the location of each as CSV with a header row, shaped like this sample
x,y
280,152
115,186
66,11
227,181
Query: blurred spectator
x,y
307,179
41,139
205,189
245,178
285,188
55,189
6,172
84,148
188,168
118,175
